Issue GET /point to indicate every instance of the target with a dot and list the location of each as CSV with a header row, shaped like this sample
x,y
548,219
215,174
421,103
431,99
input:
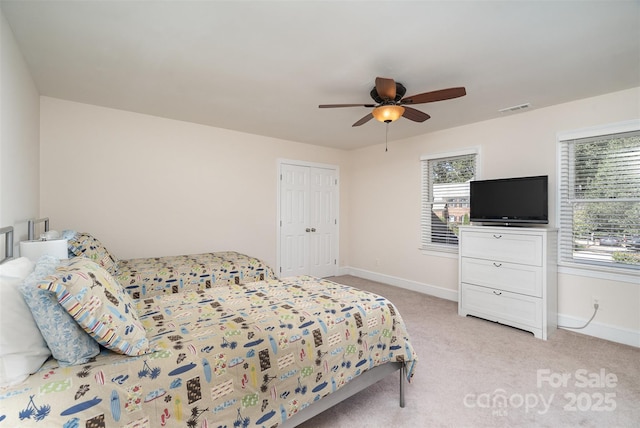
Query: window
x,y
600,198
445,198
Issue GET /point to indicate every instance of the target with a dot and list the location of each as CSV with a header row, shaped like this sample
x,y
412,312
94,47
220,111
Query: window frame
x,y
440,249
621,272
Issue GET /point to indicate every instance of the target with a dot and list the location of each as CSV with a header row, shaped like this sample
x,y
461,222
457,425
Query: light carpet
x,y
476,373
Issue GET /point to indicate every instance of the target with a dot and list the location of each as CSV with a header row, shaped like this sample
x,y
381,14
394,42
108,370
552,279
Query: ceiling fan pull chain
x,y
386,138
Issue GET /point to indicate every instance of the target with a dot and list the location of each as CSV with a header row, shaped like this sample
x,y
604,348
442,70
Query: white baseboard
x,y
595,329
432,290
603,331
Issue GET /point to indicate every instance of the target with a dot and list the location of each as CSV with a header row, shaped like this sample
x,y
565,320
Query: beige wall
x,y
385,204
19,139
148,186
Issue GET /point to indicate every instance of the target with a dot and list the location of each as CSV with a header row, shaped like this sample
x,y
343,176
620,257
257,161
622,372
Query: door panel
x,y
323,220
294,217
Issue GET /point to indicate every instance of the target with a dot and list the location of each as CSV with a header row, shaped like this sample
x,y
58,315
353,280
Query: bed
x,y
266,353
170,274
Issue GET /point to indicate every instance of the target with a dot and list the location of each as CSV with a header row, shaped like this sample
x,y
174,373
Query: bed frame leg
x,y
402,372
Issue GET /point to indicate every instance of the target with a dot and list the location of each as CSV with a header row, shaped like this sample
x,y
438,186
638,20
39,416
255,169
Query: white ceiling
x,y
262,67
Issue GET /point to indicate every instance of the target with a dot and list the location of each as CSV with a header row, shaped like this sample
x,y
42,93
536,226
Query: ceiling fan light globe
x,y
388,113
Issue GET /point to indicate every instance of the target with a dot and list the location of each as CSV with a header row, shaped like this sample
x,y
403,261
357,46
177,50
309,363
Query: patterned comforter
x,y
237,356
174,274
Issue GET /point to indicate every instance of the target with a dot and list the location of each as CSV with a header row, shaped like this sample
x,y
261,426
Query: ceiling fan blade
x,y
386,88
345,105
415,115
429,97
364,120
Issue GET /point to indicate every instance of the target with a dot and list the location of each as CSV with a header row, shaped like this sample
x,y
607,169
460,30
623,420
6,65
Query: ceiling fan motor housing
x,y
400,91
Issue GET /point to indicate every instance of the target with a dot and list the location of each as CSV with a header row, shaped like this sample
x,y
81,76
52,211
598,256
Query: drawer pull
x,y
497,264
497,236
497,293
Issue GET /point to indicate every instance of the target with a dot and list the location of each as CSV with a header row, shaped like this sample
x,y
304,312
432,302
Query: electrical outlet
x,y
595,300
377,262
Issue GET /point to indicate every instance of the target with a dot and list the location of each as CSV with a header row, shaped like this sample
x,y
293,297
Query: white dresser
x,y
509,275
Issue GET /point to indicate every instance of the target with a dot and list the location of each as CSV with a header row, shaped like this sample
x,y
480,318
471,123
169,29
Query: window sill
x,y
601,272
440,251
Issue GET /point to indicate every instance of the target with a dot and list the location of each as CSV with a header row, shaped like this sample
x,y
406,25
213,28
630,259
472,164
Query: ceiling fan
x,y
390,104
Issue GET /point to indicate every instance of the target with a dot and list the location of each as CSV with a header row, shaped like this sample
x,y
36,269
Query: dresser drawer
x,y
501,306
516,278
503,247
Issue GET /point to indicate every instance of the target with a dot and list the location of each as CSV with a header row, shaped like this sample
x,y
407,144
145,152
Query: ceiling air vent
x,y
515,108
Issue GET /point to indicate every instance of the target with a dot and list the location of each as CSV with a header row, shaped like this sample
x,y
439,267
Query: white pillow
x,y
17,268
22,348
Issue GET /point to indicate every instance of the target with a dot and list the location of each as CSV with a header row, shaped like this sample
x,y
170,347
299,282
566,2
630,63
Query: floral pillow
x,y
83,244
99,304
68,342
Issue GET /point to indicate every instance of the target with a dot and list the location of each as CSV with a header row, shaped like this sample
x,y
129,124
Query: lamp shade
x,y
34,249
388,113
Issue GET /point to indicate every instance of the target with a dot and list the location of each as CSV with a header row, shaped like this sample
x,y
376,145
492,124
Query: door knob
x,y
313,229
308,230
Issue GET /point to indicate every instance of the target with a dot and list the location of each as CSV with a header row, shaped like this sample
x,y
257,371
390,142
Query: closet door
x,y
308,220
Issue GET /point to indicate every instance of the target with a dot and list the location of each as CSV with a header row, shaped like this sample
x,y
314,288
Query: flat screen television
x,y
519,200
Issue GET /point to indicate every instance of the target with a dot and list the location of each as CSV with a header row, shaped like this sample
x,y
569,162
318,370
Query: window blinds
x,y
600,200
445,198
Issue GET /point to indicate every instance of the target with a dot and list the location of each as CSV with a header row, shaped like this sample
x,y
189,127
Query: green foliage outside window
x,y
454,170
